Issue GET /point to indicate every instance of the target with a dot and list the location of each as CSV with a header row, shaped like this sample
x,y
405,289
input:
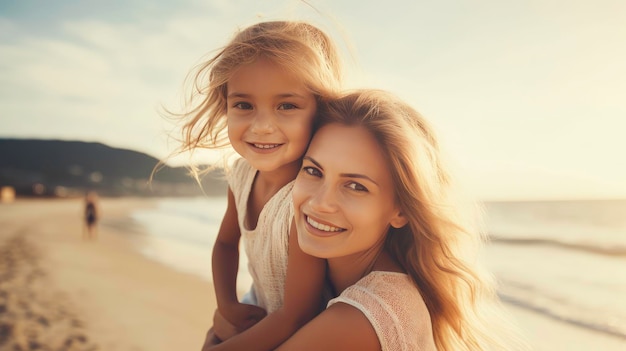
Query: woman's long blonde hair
x,y
439,245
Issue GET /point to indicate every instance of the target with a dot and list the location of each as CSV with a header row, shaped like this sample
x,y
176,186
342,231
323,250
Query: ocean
x,y
181,232
565,260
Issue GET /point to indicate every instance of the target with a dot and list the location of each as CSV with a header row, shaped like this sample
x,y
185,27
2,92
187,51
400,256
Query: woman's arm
x,y
225,267
304,287
340,327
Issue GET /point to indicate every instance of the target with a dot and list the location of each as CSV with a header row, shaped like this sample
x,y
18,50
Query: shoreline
x,y
107,295
547,334
112,295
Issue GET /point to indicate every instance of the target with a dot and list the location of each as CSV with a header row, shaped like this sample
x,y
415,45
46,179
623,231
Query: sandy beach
x,y
61,292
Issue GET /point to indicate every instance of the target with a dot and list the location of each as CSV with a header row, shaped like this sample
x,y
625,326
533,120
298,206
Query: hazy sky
x,y
529,97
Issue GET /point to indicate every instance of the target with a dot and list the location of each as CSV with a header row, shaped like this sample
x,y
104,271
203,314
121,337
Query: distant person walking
x,y
92,214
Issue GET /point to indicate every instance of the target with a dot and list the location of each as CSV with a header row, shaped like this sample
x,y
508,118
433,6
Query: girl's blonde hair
x,y
438,246
298,47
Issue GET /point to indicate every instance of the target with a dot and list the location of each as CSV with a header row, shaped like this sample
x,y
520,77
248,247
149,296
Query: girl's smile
x,y
270,115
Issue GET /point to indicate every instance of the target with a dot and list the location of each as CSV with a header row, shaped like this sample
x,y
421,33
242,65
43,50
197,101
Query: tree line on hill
x,y
36,167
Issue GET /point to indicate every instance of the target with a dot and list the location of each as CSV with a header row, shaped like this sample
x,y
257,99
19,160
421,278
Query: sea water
x,y
565,260
181,233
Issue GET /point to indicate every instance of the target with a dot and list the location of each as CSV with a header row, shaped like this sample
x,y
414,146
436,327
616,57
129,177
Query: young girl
x,y
374,198
263,89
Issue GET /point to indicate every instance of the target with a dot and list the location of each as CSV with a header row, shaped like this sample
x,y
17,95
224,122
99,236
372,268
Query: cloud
x,y
102,77
519,84
99,80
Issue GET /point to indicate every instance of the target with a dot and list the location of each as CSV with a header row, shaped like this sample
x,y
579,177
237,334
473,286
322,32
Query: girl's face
x,y
270,115
343,195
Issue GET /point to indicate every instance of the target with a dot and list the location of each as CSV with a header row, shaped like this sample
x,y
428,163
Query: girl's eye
x,y
243,106
357,187
312,171
287,106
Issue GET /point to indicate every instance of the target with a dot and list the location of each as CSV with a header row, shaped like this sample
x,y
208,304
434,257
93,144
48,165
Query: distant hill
x,y
67,168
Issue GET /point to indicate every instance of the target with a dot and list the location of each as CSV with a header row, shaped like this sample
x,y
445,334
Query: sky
x,y
528,97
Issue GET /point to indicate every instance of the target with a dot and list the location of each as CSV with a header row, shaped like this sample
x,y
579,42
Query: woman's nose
x,y
324,199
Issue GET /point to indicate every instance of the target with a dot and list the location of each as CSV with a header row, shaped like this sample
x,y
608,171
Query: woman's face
x,y
343,195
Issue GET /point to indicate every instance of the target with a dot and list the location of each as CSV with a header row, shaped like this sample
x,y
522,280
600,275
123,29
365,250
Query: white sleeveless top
x,y
395,308
266,246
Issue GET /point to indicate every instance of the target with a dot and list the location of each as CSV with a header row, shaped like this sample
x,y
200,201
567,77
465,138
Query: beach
x,y
59,291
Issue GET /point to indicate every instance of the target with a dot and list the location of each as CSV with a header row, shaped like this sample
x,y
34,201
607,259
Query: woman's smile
x,y
321,228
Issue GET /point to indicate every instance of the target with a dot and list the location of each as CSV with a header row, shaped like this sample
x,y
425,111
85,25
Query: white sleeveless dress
x,y
267,245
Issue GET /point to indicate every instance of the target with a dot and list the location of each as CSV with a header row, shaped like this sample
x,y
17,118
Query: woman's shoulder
x,y
394,307
373,314
389,287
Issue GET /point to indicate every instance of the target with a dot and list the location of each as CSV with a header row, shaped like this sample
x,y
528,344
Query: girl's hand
x,y
222,329
210,340
240,317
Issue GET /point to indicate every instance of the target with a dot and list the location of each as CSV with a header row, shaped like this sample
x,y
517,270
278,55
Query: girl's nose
x,y
263,123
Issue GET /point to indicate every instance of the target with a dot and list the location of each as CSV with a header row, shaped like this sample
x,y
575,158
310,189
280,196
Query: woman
x,y
374,198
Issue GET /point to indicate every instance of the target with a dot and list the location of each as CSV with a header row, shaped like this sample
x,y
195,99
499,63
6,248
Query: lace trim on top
x,y
394,307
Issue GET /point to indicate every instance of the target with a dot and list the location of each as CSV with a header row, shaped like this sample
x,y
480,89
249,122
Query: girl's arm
x,y
304,287
340,327
225,267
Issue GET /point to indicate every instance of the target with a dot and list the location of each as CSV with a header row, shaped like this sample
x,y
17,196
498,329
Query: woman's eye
x,y
312,171
287,106
357,187
243,106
